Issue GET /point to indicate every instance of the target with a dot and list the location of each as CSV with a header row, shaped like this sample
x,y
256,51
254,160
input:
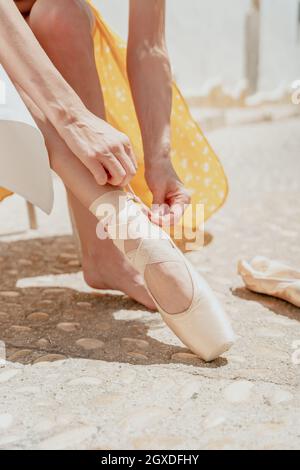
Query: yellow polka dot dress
x,y
193,158
4,193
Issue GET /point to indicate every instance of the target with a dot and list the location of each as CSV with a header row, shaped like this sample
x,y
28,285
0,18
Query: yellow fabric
x,y
193,158
4,193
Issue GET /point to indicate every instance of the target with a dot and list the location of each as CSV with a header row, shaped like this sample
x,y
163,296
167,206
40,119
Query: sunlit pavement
x,y
119,378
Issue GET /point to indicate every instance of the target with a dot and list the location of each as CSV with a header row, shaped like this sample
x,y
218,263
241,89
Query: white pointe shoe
x,y
203,327
273,278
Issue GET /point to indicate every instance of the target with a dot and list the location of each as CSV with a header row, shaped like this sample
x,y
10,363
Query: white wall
x,y
206,40
280,46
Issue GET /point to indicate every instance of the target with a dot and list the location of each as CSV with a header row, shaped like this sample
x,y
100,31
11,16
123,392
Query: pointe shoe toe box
x,y
205,328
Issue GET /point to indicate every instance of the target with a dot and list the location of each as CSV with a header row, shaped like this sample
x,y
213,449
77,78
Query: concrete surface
x,y
120,379
213,118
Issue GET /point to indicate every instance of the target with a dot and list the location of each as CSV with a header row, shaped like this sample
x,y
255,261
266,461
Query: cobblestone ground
x,y
94,371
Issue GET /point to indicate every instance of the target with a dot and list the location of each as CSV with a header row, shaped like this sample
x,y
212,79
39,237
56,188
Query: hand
x,y
105,151
168,192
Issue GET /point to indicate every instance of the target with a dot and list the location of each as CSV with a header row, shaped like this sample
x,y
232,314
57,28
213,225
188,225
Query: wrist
x,y
155,158
157,167
63,113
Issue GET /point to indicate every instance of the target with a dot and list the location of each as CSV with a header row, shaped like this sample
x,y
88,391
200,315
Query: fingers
x,y
159,209
115,165
177,210
127,159
129,150
178,205
128,166
120,163
98,172
161,215
116,172
170,213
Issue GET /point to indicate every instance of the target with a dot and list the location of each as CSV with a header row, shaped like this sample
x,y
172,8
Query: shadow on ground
x,y
47,324
280,307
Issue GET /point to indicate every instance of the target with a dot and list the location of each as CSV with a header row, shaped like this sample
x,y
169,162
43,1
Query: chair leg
x,y
32,216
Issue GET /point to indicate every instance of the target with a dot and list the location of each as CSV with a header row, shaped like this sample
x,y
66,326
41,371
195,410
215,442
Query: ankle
x,y
91,274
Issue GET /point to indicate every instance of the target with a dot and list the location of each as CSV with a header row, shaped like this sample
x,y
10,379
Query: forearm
x,y
151,84
150,76
28,66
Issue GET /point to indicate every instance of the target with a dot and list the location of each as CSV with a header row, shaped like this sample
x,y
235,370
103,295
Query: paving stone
x,y
50,358
143,418
158,443
12,272
269,333
45,424
5,421
271,426
29,390
10,294
7,375
20,329
127,376
14,307
74,263
84,304
25,262
280,396
135,343
184,356
235,358
190,389
214,419
238,391
68,256
19,355
43,343
68,315
90,381
38,317
89,343
138,356
103,326
69,439
68,326
8,440
270,353
221,444
107,398
3,316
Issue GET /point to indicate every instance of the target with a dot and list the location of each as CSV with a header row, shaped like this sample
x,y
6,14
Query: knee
x,y
60,19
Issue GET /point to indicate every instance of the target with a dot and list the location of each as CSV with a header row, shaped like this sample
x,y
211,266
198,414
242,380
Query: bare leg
x,y
63,28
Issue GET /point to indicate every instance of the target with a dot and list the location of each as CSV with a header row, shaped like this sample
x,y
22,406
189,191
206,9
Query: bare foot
x,y
107,268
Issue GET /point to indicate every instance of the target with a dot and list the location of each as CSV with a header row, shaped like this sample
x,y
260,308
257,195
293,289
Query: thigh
x,y
65,12
64,31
